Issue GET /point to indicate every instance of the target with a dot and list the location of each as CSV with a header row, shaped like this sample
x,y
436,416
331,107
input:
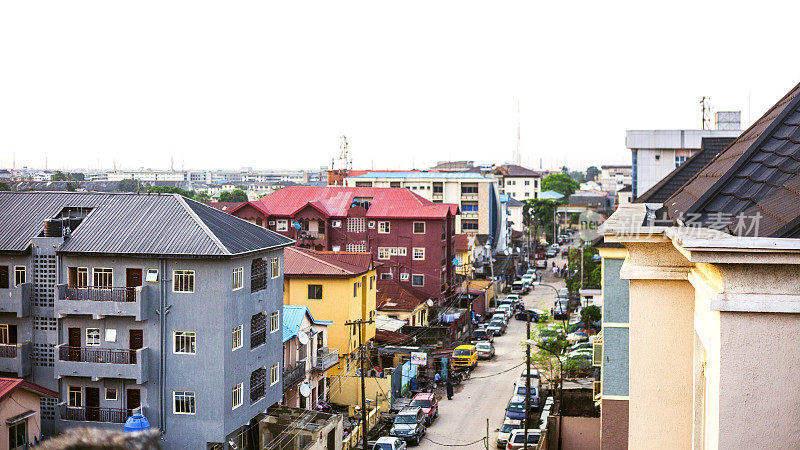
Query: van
x,y
409,425
465,356
518,287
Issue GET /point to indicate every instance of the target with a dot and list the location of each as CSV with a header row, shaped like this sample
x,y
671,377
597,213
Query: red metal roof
x,y
391,296
9,385
461,242
304,262
335,201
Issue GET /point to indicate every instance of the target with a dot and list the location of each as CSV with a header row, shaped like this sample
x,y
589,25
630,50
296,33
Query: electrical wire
x,y
483,439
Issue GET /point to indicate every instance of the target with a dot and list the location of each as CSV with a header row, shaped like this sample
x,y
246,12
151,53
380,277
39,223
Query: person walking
x,y
449,389
436,379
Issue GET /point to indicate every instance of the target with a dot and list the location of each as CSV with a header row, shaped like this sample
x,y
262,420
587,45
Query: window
x,y
372,224
527,182
111,394
419,227
152,275
386,276
281,225
93,337
419,253
469,207
274,267
274,322
438,188
258,382
356,224
237,337
418,280
315,292
384,252
357,247
402,251
469,225
102,278
183,402
258,330
258,275
404,276
383,227
680,160
355,289
273,374
4,280
371,280
19,275
83,277
236,394
238,281
336,223
183,281
184,342
18,435
468,189
74,397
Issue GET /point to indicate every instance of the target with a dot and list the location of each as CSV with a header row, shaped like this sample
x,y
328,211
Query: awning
x,y
20,417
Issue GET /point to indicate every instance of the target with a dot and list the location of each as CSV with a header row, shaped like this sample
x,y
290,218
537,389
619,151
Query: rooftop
x,y
131,224
513,170
392,296
293,316
301,262
424,174
9,385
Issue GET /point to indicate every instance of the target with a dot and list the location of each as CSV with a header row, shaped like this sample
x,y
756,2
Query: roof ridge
x,y
182,201
327,263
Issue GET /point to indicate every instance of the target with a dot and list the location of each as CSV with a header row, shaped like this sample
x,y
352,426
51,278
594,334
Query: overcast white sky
x,y
274,84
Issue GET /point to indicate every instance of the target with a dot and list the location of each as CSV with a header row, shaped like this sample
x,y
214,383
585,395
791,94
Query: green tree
x,y
590,314
4,186
591,173
540,210
77,176
202,197
238,195
577,176
58,176
561,183
170,190
573,280
72,186
128,185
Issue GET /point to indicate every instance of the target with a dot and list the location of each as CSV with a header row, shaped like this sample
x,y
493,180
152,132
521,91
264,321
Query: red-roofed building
x,y
20,412
411,236
397,302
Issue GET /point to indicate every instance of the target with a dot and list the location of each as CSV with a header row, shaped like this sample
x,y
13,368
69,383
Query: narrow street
x,y
463,419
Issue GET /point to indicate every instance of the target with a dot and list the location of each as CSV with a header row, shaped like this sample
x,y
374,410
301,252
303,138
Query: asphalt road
x,y
464,418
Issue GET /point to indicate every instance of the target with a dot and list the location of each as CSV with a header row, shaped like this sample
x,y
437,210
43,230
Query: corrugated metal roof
x,y
293,320
9,385
166,224
421,174
304,262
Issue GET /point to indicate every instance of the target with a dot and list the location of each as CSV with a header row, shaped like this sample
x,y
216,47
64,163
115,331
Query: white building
x,y
519,182
614,178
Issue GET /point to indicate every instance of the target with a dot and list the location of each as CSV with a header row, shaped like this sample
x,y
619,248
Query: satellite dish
x,y
302,337
305,390
429,302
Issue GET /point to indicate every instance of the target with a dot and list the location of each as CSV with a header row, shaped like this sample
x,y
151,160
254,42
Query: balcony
x,y
469,196
16,358
99,302
97,362
293,375
326,358
437,196
95,414
469,214
310,235
17,300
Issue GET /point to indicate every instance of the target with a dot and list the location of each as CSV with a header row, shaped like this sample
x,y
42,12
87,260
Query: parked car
x,y
499,316
513,297
551,253
480,335
516,408
582,351
391,443
578,336
561,311
581,346
520,389
485,350
528,279
465,356
504,433
525,314
541,264
513,304
430,406
497,327
533,374
547,335
563,293
518,287
517,439
505,309
409,425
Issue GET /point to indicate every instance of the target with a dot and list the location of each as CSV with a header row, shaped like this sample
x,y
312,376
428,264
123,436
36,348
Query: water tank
x,y
53,227
136,422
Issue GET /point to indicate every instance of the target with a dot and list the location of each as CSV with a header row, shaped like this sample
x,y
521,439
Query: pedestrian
x,y
555,271
436,379
449,389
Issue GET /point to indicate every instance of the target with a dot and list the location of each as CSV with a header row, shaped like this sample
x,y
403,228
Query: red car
x,y
429,405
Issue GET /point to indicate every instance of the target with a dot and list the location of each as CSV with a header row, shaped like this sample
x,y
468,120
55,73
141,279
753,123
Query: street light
x,y
560,390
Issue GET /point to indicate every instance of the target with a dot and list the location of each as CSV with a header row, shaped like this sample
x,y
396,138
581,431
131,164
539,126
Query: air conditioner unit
x,y
597,354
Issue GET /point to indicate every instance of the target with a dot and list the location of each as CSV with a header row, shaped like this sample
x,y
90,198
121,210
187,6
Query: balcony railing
x,y
293,375
313,235
111,294
326,358
97,355
96,414
8,350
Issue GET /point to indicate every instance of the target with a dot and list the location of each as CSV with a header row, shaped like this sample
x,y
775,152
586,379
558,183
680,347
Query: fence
x,y
97,355
112,294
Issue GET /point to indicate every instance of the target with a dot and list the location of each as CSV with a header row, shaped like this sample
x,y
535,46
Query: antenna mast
x,y
705,108
517,154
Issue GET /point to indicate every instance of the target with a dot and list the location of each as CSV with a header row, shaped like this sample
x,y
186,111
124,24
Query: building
x,y
656,153
20,412
614,178
712,284
465,248
514,209
306,357
339,286
519,182
119,301
477,196
396,302
410,236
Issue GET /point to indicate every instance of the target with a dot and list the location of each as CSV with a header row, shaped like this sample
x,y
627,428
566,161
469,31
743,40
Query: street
x,y
463,419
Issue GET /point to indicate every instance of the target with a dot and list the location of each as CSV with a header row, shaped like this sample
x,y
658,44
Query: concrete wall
x,y
348,391
614,424
20,402
581,433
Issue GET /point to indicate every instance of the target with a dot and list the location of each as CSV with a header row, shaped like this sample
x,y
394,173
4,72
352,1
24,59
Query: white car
x,y
582,351
517,439
389,443
508,426
501,316
512,297
528,279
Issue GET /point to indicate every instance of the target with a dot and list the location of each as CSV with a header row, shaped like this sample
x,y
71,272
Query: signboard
x,y
419,359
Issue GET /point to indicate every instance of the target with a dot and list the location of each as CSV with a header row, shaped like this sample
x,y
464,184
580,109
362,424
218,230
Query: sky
x,y
273,85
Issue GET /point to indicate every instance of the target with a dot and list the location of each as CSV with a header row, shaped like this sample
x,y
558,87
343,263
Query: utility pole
x,y
364,428
527,374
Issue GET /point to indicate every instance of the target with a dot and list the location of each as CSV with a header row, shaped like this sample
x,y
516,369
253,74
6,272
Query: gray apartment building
x,y
149,303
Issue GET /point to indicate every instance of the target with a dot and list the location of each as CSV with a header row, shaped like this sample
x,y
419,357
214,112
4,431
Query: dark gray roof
x,y
89,186
514,202
167,224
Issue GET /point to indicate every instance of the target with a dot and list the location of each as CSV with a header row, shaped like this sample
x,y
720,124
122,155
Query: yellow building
x,y
335,286
464,246
396,302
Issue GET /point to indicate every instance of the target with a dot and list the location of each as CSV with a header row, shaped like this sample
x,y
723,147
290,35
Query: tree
x,y
202,197
590,314
77,176
170,190
577,175
72,186
58,176
561,183
542,211
592,172
590,264
237,195
128,185
4,186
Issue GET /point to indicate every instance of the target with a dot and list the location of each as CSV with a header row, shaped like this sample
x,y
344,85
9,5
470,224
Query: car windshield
x,y
421,403
532,439
382,446
516,407
461,352
483,347
496,322
406,419
509,427
479,333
